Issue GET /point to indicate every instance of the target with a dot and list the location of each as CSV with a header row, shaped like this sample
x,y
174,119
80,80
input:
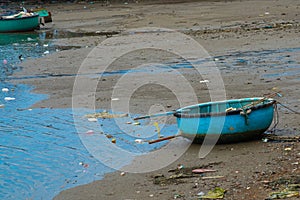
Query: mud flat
x,y
255,45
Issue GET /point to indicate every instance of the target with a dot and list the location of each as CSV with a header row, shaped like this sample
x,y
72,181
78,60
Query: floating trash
x,y
9,98
2,105
89,132
139,141
5,89
92,119
4,62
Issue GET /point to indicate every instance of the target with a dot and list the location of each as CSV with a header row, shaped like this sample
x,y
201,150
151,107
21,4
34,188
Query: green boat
x,y
19,24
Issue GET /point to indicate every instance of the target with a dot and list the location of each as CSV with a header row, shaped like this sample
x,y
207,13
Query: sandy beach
x,y
245,34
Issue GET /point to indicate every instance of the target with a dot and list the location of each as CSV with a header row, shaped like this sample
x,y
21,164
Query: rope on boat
x,y
276,116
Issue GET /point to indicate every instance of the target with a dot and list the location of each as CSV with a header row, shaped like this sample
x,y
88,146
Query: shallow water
x,y
41,151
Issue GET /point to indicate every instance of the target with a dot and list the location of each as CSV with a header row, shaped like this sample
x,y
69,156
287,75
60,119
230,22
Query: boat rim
x,y
32,16
182,113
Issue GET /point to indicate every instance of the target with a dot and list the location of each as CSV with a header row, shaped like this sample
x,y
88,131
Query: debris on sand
x,y
291,191
105,115
217,193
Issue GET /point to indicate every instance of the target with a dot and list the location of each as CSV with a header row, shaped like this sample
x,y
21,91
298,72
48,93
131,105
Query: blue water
x,y
41,151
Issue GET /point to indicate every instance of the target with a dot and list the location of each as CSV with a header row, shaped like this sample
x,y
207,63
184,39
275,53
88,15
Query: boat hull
x,y
19,24
227,127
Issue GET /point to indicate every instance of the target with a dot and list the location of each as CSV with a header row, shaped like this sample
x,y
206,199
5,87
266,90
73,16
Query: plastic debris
x,y
198,171
288,149
211,177
178,196
122,173
217,193
139,141
46,52
265,140
115,99
4,62
157,129
89,132
2,105
114,140
200,194
180,166
9,98
85,165
5,89
204,81
136,123
291,191
105,115
21,58
92,119
45,45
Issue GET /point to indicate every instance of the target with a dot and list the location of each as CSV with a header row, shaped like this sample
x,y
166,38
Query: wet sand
x,y
250,170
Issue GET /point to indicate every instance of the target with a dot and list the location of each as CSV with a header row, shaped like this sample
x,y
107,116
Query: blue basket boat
x,y
232,120
224,121
19,24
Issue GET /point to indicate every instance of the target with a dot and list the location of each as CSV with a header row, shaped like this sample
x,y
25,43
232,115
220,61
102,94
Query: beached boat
x,y
18,23
235,120
229,121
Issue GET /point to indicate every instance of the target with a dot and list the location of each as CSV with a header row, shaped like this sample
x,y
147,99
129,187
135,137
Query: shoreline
x,y
269,161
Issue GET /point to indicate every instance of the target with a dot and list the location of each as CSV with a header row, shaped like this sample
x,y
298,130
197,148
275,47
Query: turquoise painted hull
x,y
215,119
19,24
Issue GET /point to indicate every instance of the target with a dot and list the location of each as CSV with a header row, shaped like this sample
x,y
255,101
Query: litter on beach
x,y
105,115
198,171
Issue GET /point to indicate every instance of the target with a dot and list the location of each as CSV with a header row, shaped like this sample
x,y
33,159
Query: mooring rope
x,y
290,109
